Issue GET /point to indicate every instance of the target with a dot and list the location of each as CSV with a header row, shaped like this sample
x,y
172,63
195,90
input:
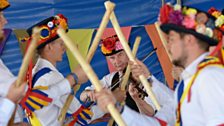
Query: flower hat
x,y
190,20
49,29
219,22
111,45
4,4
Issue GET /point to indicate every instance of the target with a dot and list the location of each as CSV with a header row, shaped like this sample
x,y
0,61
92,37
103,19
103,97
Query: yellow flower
x,y
184,10
191,11
63,23
104,50
216,14
219,21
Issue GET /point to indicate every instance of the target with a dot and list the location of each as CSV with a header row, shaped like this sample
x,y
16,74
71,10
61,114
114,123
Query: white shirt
x,y
167,112
132,118
106,82
6,80
164,95
206,107
6,110
59,89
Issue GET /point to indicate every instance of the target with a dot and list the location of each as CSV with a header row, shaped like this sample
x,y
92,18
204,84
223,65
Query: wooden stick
x,y
90,54
22,72
90,73
162,38
67,104
128,69
103,25
127,49
179,2
127,73
163,2
28,56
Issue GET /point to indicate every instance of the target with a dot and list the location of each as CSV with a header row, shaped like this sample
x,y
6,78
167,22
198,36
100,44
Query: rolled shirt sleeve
x,y
133,118
6,110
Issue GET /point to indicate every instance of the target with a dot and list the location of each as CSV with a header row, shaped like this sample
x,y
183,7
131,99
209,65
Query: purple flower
x,y
176,17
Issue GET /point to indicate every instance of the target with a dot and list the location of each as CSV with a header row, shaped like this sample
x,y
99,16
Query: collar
x,y
191,69
41,63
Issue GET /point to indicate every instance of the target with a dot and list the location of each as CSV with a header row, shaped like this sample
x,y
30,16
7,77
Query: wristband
x,y
119,107
149,79
75,77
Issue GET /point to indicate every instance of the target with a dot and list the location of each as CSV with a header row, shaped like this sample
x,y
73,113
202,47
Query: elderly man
x,y
114,52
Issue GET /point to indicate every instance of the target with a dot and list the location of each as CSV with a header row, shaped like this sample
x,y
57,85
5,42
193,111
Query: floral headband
x,y
190,20
4,4
48,29
219,22
111,45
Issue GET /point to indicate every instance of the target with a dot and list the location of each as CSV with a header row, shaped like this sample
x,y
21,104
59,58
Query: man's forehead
x,y
120,52
59,40
172,32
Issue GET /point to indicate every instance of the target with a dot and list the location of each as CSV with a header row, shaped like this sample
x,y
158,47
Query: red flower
x,y
222,28
109,43
214,12
217,35
164,13
211,10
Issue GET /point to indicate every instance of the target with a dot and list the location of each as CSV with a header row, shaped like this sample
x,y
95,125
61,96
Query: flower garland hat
x,y
111,45
49,29
190,20
219,22
4,4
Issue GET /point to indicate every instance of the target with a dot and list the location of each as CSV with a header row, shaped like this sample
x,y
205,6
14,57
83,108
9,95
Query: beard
x,y
181,61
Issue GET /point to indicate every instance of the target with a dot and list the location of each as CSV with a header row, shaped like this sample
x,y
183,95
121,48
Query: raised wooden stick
x,y
90,54
127,49
68,102
103,25
90,73
162,38
127,73
27,57
179,2
128,69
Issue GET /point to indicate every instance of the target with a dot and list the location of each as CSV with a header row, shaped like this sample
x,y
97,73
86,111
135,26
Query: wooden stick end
x,y
138,39
109,5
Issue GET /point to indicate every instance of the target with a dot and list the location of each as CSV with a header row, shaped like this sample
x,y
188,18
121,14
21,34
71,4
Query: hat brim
x,y
167,27
29,31
113,52
1,9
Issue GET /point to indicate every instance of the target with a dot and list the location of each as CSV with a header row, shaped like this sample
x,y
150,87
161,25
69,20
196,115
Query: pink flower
x,y
189,22
109,43
118,46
